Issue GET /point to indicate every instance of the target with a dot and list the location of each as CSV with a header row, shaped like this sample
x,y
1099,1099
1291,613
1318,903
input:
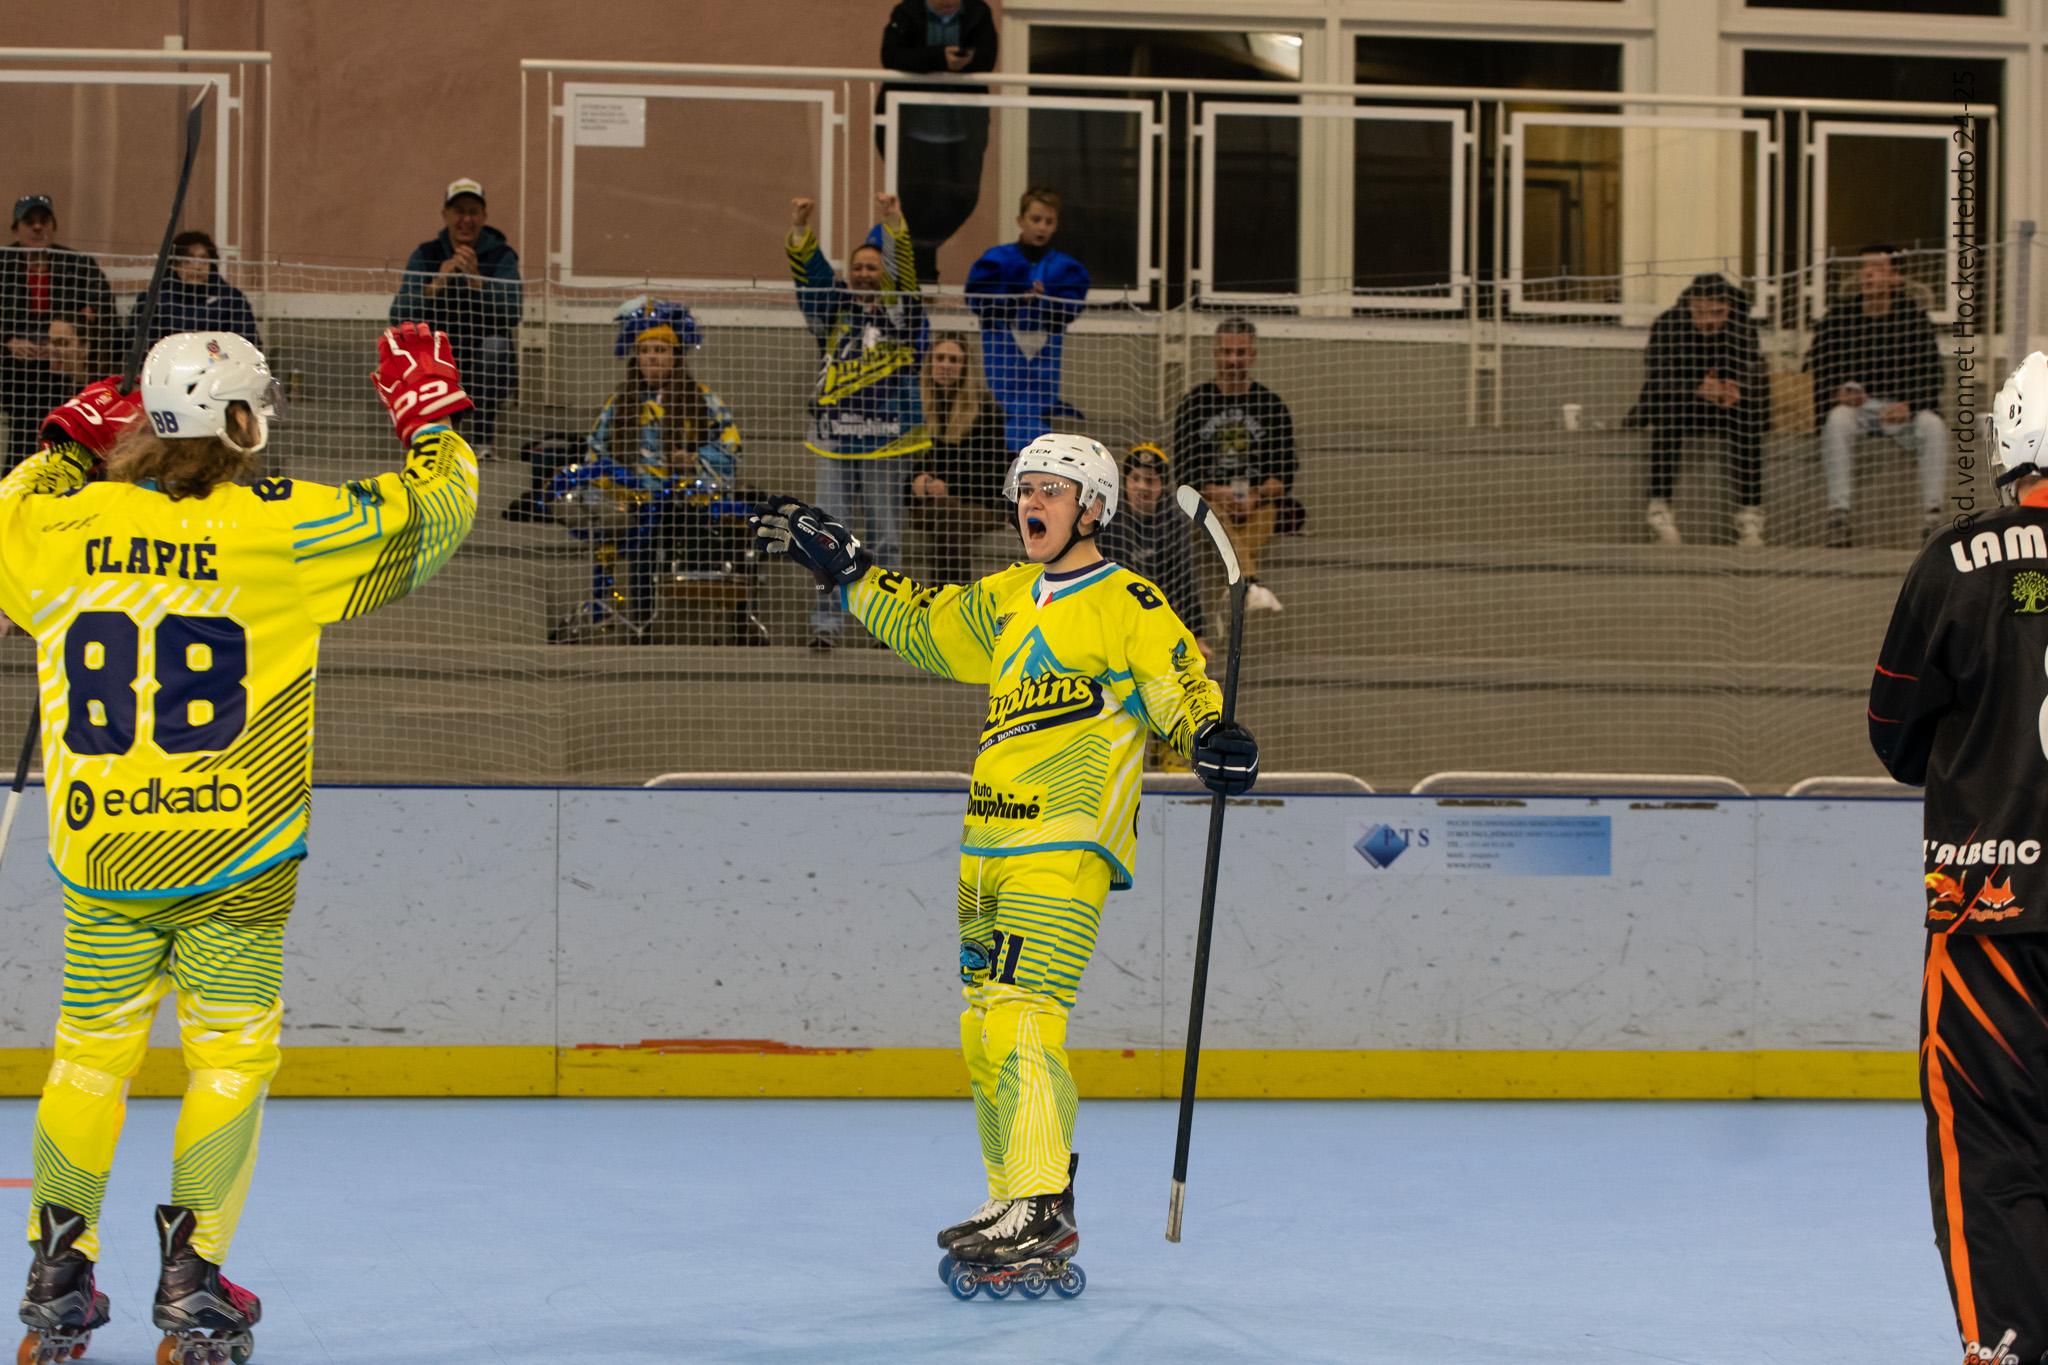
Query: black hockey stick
x,y
131,375
1199,512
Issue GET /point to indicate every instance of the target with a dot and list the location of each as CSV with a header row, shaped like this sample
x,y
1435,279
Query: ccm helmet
x,y
190,378
1078,459
2019,420
645,316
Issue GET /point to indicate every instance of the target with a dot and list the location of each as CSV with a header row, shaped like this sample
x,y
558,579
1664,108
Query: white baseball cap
x,y
462,187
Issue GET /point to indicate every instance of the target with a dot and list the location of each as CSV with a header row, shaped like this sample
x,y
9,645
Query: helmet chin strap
x,y
1074,537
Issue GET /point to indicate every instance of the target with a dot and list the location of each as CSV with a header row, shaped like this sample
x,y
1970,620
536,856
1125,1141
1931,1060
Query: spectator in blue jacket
x,y
866,418
465,282
195,297
1026,294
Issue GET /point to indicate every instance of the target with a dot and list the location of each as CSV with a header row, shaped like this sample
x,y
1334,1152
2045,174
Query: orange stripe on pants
x,y
1945,1119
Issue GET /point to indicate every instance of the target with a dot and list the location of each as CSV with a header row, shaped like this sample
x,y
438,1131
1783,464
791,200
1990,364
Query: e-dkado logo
x,y
1381,844
214,800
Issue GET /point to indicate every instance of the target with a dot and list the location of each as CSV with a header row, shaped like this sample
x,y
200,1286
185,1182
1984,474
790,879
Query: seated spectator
x,y
1876,366
40,278
1233,439
1027,294
1153,539
866,418
661,450
73,357
939,148
465,281
196,298
956,487
1703,375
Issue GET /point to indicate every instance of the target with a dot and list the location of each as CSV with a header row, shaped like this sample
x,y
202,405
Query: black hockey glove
x,y
784,526
1226,758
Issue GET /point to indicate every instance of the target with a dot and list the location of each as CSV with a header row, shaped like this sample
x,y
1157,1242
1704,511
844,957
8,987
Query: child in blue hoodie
x,y
1026,294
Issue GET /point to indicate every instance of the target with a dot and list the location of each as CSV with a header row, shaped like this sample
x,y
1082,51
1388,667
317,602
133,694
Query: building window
x,y
1399,222
1093,158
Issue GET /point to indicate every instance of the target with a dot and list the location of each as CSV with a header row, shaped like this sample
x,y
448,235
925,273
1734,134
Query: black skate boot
x,y
204,1316
1030,1247
967,1227
60,1307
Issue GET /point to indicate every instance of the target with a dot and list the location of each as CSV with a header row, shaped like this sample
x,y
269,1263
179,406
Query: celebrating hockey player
x,y
177,617
1081,657
1957,705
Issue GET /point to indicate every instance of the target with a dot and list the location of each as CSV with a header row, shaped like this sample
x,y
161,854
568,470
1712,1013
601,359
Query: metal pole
x,y
2022,293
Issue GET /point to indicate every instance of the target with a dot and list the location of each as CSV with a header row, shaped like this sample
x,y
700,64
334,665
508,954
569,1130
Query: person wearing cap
x,y
40,279
1153,539
1703,375
465,281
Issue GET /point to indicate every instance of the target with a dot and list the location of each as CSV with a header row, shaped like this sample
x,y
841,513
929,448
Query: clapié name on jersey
x,y
187,559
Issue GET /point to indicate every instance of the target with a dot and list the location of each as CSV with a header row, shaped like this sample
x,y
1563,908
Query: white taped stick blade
x,y
1204,516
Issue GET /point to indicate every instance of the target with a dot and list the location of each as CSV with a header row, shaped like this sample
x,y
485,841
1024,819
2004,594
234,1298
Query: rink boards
x,y
605,942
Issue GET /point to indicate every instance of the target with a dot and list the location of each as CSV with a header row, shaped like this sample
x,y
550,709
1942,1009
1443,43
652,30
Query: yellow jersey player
x,y
177,617
1082,658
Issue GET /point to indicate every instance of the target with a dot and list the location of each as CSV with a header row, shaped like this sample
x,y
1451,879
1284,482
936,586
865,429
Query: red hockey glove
x,y
417,379
95,418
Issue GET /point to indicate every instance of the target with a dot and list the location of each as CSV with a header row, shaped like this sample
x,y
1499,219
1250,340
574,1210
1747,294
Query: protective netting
x,y
1474,583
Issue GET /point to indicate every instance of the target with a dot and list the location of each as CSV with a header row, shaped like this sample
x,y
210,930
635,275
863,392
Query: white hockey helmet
x,y
1080,459
2019,420
190,378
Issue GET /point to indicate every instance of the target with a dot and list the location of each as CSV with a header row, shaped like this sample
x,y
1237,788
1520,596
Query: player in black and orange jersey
x,y
1960,703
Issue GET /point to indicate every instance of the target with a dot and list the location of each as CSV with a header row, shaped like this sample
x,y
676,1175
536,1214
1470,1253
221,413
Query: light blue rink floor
x,y
474,1230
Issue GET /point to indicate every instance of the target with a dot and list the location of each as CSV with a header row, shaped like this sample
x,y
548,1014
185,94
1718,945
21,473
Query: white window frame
x,y
829,123
1766,159
1149,129
1203,271
226,107
1819,133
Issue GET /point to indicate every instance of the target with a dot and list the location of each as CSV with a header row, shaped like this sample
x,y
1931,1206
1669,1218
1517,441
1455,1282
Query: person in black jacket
x,y
1876,366
956,487
195,297
1955,705
1703,375
40,279
1233,439
939,147
1153,539
465,282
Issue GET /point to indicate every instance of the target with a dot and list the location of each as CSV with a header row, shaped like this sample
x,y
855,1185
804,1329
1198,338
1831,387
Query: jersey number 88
x,y
201,700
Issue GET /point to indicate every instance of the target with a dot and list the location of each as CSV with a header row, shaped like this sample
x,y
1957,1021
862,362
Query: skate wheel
x,y
79,1348
1072,1282
167,1352
964,1283
1034,1285
1000,1289
25,1354
946,1264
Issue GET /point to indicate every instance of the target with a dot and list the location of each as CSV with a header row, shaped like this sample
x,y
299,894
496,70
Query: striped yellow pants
x,y
223,952
1027,927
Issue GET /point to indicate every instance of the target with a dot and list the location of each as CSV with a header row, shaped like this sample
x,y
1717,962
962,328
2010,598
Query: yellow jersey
x,y
1079,667
176,641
